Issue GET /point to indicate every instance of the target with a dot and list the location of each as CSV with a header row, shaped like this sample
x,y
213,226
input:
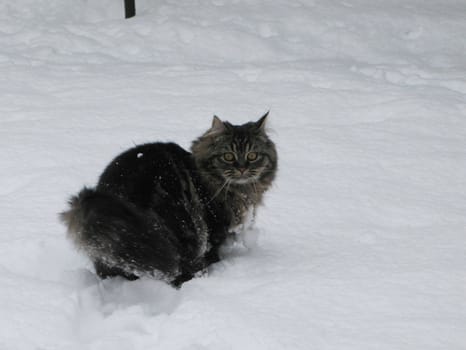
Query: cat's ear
x,y
217,126
260,124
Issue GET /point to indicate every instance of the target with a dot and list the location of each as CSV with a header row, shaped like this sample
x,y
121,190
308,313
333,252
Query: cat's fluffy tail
x,y
119,239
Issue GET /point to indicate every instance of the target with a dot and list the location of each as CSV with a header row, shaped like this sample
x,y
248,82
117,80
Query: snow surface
x,y
361,243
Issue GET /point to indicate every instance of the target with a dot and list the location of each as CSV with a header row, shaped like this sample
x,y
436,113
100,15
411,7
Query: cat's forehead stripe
x,y
240,145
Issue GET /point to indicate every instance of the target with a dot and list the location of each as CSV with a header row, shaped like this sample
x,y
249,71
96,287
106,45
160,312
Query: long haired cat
x,y
159,210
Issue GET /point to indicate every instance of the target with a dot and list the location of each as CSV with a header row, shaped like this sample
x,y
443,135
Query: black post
x,y
130,8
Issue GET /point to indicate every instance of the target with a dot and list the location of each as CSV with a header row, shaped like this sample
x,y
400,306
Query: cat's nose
x,y
242,170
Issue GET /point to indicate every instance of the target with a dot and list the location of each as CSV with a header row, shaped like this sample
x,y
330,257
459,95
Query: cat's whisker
x,y
228,188
218,191
203,172
254,185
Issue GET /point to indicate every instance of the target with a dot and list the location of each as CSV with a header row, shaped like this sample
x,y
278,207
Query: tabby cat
x,y
159,210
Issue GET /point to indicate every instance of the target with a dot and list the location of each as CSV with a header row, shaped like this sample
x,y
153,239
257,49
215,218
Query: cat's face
x,y
236,154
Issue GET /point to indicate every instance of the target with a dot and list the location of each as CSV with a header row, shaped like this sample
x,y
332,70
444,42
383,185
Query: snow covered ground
x,y
362,241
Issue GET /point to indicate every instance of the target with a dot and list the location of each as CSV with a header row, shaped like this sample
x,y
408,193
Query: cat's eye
x,y
229,156
251,156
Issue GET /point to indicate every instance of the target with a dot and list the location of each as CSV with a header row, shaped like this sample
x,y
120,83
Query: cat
x,y
162,211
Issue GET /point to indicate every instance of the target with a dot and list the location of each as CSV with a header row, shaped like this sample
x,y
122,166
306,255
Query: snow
x,y
361,242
